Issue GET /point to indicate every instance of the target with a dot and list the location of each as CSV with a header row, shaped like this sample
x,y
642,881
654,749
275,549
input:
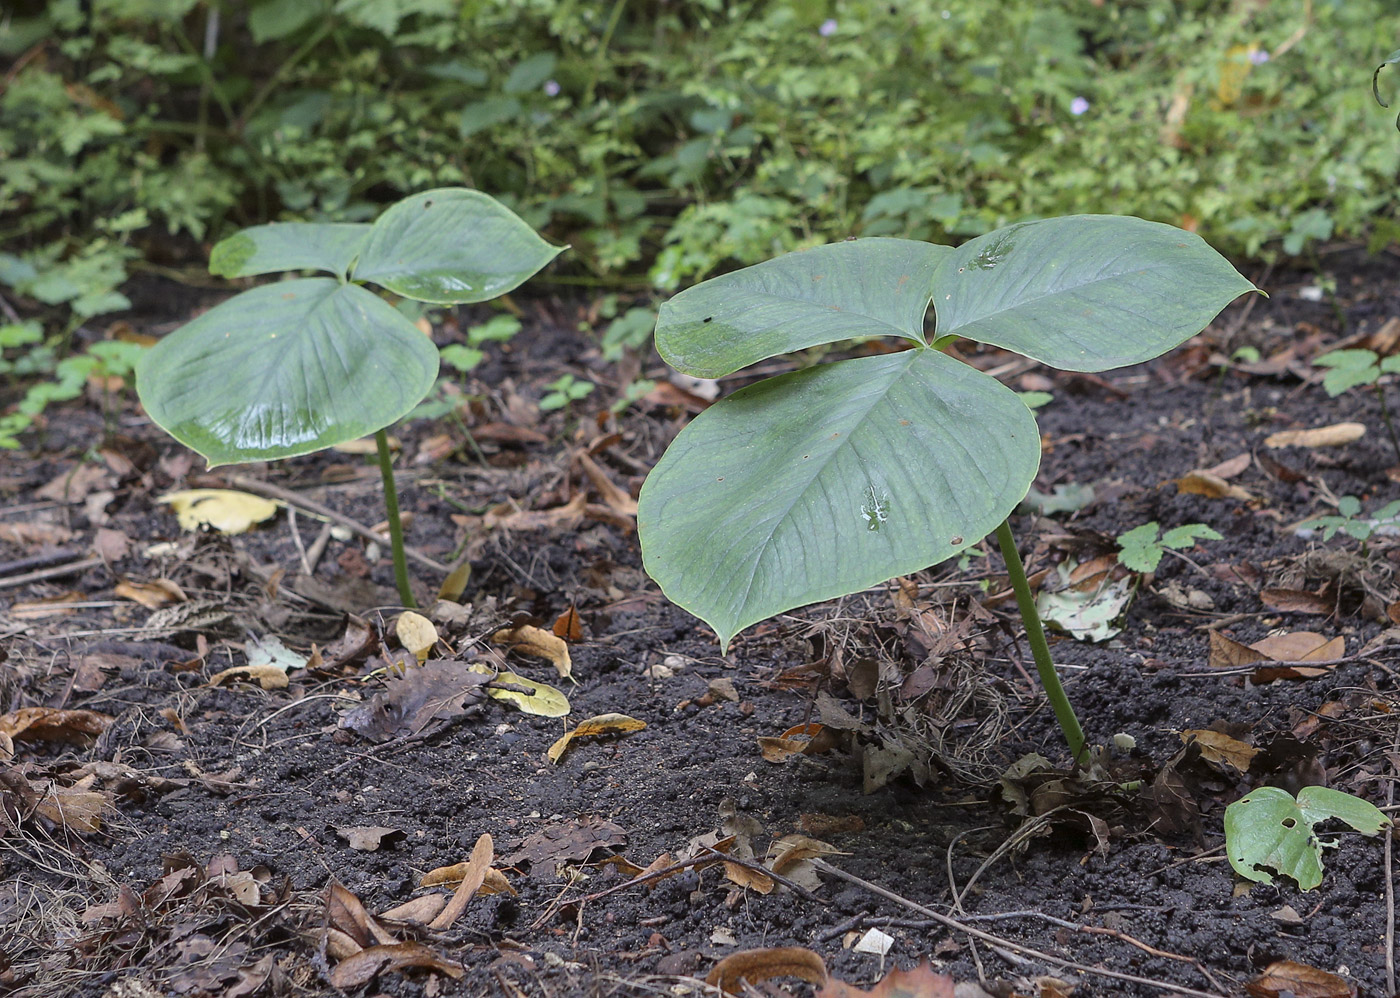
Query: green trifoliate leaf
x,y
286,369
1084,292
1269,828
1348,368
861,287
827,481
451,246
270,249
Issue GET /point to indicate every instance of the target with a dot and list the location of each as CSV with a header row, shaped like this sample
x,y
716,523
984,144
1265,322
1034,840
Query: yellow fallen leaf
x,y
1218,747
530,640
603,724
1323,436
416,633
269,677
536,698
225,510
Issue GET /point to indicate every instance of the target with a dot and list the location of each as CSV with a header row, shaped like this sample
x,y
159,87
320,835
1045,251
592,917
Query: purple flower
x,y
1078,106
551,88
1258,56
828,28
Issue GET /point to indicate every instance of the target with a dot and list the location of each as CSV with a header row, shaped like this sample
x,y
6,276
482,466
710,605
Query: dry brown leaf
x,y
346,914
758,965
76,808
437,690
269,677
1283,600
49,724
416,634
1287,979
792,849
564,840
569,626
49,606
748,878
151,595
1300,646
918,981
495,882
367,838
35,533
797,740
1217,747
1203,483
75,484
420,910
510,517
477,867
593,727
1230,468
364,966
618,499
530,640
1322,436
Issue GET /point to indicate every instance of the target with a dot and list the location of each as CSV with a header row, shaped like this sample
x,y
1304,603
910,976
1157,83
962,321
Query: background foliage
x,y
669,140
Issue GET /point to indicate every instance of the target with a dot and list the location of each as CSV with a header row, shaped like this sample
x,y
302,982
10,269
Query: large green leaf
x,y
827,481
1269,830
452,246
1084,292
861,287
286,369
269,249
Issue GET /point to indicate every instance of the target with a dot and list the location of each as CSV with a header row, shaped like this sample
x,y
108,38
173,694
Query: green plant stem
x,y
1389,425
1040,648
391,506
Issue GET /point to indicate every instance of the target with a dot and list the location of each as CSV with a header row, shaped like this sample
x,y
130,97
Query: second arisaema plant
x,y
826,481
297,366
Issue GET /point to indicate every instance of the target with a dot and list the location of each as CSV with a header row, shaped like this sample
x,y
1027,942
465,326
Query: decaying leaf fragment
x,y
49,724
1220,748
495,881
1323,436
439,689
918,981
1289,651
269,677
530,640
225,510
758,965
594,727
473,877
361,968
1289,979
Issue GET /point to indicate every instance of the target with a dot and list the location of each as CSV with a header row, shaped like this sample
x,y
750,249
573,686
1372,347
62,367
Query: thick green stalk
x,y
391,506
1040,648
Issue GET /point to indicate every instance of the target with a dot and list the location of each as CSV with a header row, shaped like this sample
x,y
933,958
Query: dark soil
x,y
211,780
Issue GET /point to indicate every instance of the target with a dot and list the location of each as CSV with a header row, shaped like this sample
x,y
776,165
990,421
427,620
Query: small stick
x,y
50,573
311,505
987,937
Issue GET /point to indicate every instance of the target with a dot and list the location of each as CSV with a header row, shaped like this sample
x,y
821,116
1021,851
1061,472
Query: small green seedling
x,y
1350,368
567,389
830,480
1269,830
300,365
1348,520
1141,548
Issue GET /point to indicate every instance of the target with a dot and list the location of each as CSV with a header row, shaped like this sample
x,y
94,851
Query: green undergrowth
x,y
669,142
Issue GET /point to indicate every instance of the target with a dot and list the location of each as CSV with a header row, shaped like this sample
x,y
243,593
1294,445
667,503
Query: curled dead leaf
x,y
1323,436
358,970
530,640
758,965
269,677
1203,483
151,595
1220,748
49,724
802,739
1289,979
593,727
792,849
495,881
918,981
474,876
